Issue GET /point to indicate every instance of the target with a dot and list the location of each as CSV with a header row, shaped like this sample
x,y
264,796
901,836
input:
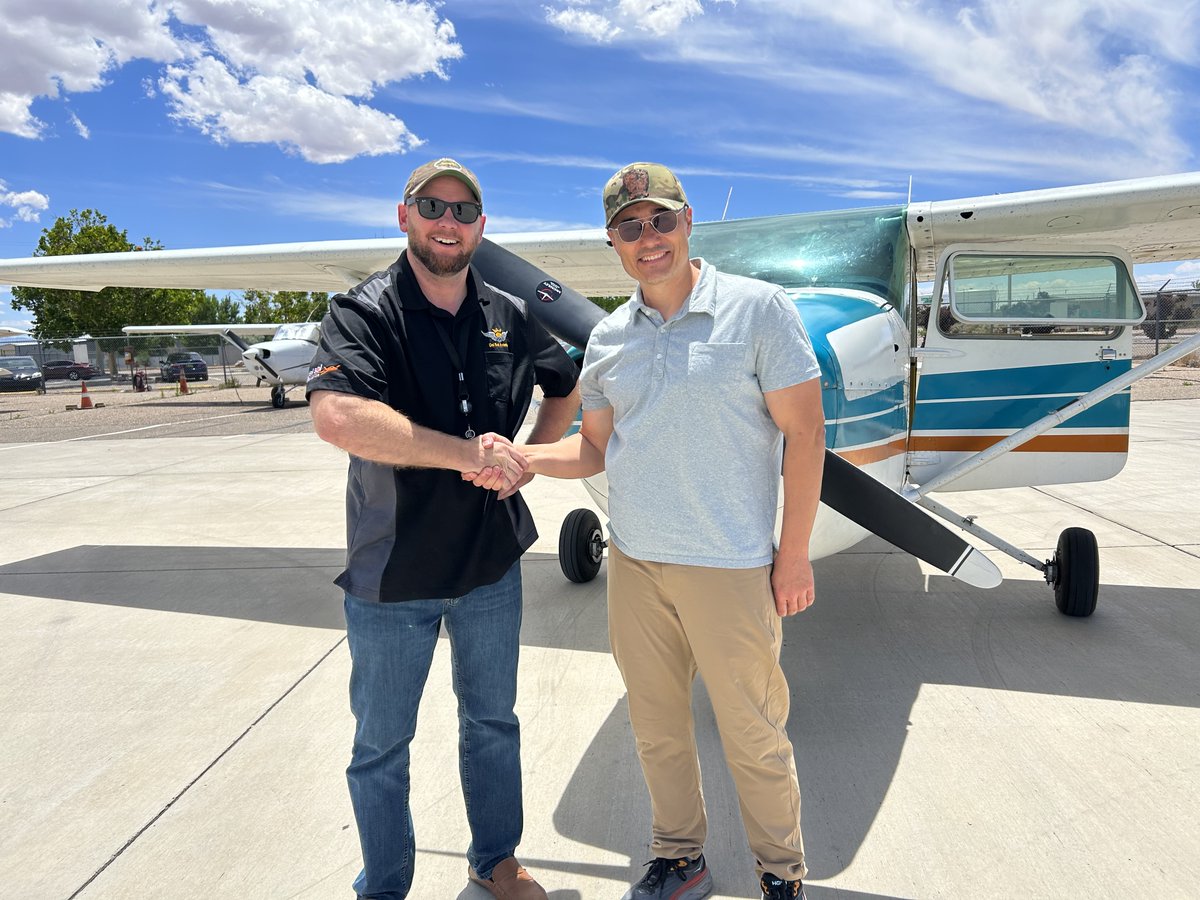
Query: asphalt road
x,y
207,410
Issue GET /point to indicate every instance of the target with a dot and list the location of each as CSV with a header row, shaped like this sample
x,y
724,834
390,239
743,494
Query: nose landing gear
x,y
580,545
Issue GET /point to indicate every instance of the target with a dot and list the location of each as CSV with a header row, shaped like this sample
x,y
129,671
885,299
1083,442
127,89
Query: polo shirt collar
x,y
702,299
412,297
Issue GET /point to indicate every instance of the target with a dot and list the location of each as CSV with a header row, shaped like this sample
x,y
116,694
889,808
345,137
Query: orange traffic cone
x,y
85,402
183,388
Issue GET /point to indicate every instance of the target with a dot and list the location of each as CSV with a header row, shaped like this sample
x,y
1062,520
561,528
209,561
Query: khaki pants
x,y
665,623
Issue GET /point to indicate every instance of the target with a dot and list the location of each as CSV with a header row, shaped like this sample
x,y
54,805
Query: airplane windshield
x,y
862,249
299,331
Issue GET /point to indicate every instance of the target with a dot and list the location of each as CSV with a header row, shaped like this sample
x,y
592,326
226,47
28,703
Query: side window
x,y
1032,294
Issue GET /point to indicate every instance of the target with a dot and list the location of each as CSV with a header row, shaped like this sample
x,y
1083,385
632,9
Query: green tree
x,y
608,304
284,306
68,314
211,311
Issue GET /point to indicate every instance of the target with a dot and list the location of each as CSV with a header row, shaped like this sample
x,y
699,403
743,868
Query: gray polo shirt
x,y
694,460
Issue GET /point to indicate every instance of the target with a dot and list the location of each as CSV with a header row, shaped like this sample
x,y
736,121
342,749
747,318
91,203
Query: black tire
x,y
278,398
74,376
1076,573
580,545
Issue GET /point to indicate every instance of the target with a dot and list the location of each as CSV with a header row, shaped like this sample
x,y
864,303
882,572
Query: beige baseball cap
x,y
640,181
422,175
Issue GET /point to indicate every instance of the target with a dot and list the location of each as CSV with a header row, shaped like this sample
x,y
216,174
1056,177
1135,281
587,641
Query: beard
x,y
437,264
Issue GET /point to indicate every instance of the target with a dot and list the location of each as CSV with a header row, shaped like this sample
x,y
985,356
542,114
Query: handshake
x,y
497,466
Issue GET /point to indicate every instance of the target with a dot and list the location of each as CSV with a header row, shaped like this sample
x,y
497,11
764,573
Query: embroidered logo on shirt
x,y
318,371
497,338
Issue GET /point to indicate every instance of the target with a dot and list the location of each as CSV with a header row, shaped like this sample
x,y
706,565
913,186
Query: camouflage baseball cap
x,y
642,181
422,175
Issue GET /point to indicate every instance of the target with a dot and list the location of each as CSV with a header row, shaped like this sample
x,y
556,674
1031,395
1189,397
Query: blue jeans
x,y
391,648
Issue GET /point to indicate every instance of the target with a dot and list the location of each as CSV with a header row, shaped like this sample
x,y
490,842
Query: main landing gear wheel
x,y
1076,580
278,397
580,545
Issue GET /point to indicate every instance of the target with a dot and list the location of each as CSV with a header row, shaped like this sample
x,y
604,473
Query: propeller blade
x,y
234,339
873,505
566,313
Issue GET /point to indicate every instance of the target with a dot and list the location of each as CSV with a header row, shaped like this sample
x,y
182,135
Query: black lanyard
x,y
464,398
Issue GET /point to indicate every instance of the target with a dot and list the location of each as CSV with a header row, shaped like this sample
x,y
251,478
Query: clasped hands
x,y
499,466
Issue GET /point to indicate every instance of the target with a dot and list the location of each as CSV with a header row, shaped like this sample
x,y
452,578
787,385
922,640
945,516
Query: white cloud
x,y
26,206
56,46
320,126
84,131
297,73
659,17
584,23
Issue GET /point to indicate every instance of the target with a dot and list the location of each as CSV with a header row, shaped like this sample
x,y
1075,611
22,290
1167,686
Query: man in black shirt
x,y
425,372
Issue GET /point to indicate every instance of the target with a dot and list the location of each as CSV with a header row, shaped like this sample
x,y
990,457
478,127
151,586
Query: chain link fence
x,y
1172,316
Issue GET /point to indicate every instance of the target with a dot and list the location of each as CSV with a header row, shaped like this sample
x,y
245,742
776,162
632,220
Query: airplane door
x,y
1017,335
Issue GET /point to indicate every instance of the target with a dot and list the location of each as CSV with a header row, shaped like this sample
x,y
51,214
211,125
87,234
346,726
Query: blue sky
x,y
210,123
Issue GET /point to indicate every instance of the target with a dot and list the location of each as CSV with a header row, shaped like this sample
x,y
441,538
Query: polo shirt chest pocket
x,y
500,381
717,366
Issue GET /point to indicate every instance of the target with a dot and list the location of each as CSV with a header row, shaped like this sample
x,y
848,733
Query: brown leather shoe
x,y
510,881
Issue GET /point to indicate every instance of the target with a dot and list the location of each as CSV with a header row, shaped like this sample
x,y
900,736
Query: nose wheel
x,y
580,545
278,396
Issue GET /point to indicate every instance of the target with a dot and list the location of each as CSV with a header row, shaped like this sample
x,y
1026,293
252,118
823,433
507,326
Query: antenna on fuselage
x,y
909,201
726,209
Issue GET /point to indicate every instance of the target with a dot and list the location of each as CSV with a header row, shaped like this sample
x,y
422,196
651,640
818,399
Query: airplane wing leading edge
x,y
1154,219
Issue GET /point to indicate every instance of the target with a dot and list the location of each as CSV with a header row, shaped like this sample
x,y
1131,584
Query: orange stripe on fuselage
x,y
864,455
1043,443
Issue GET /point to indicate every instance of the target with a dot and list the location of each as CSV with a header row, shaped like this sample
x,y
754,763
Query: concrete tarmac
x,y
173,674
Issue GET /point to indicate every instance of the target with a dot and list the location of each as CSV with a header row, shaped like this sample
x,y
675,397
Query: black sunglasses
x,y
433,208
664,223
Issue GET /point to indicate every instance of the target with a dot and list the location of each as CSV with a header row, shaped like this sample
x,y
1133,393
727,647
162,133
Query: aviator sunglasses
x,y
433,208
664,222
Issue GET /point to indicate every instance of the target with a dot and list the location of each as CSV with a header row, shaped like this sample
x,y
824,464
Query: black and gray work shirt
x,y
425,533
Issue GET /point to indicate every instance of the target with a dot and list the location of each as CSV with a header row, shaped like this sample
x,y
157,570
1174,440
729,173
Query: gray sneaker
x,y
673,879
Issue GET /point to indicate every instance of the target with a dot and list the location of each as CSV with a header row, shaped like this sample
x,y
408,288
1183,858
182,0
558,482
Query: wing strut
x,y
1016,439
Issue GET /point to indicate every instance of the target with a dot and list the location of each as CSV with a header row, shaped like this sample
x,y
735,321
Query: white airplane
x,y
283,361
1021,377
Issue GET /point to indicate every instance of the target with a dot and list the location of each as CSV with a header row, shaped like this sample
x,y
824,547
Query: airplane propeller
x,y
850,491
570,316
566,313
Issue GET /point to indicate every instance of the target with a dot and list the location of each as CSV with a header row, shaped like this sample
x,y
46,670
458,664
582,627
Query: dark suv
x,y
190,363
20,373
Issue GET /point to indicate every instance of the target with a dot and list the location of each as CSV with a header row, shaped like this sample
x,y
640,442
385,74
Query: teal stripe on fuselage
x,y
1067,378
1004,399
1016,413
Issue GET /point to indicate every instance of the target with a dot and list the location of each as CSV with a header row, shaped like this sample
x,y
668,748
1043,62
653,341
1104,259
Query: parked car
x,y
20,373
189,363
68,368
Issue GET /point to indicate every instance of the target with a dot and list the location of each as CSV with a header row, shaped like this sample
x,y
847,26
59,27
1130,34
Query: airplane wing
x,y
581,258
1153,219
251,328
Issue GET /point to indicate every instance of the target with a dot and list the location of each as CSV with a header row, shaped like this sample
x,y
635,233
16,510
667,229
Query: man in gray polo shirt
x,y
693,392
